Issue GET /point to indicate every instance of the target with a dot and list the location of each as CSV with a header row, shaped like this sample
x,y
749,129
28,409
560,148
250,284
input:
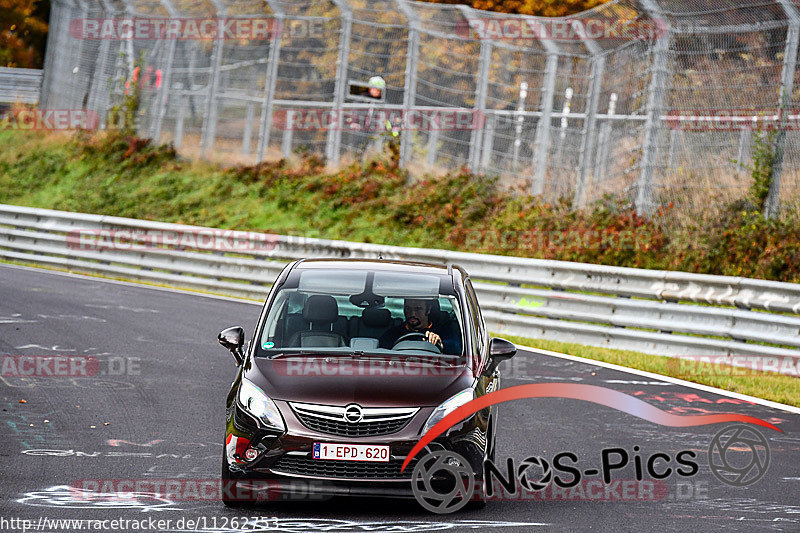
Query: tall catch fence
x,y
660,101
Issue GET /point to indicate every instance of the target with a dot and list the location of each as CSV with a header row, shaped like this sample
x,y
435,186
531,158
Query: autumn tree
x,y
542,8
23,32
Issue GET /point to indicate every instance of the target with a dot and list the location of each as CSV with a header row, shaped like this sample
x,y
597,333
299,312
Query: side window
x,y
477,317
474,331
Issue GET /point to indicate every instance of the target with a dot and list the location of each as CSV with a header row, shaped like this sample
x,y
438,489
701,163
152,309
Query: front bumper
x,y
285,466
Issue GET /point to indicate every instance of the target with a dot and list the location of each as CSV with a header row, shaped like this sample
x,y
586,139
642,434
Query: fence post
x,y
55,41
590,122
744,145
166,80
334,141
655,103
673,140
518,120
543,128
605,138
247,134
787,87
286,142
433,146
481,90
564,121
488,141
269,82
209,129
179,120
97,85
410,83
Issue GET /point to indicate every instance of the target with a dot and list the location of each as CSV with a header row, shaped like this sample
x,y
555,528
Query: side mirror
x,y
233,340
499,351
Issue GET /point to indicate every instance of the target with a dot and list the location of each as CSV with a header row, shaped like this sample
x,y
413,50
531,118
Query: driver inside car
x,y
418,320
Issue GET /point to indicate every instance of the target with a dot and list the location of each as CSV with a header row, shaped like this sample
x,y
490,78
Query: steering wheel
x,y
414,335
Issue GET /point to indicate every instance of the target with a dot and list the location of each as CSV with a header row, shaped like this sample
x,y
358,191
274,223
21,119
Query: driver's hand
x,y
433,338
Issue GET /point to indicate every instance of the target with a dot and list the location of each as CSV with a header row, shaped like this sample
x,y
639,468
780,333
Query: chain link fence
x,y
660,101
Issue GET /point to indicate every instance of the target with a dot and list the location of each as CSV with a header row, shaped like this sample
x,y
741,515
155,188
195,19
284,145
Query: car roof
x,y
374,264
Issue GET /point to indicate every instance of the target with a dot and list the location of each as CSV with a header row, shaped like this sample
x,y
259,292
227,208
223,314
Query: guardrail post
x,y
543,128
410,83
590,122
209,128
771,205
334,141
270,81
655,103
605,138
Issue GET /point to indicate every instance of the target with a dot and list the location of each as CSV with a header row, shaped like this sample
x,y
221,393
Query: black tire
x,y
479,498
228,485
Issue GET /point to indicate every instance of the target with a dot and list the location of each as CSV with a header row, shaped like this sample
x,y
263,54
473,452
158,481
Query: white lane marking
x,y
68,497
54,348
634,382
676,381
651,375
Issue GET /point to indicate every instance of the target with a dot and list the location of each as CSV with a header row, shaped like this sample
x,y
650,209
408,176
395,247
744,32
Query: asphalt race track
x,y
155,410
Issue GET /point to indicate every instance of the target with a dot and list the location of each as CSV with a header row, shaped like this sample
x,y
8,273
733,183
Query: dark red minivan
x,y
352,361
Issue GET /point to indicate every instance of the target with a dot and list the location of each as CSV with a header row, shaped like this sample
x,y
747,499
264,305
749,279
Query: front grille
x,y
376,421
307,466
346,429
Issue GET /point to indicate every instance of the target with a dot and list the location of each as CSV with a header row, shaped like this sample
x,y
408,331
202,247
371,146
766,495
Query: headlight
x,y
448,407
254,401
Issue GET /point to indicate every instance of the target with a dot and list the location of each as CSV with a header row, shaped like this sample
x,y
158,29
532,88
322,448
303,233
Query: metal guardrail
x,y
20,85
624,308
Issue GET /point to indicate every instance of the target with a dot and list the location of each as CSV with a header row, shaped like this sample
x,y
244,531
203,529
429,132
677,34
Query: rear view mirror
x,y
499,351
233,340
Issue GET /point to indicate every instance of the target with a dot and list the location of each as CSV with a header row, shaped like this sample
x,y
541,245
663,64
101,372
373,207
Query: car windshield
x,y
363,312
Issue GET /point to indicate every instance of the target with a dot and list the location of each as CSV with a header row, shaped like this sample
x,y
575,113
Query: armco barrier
x,y
644,310
20,85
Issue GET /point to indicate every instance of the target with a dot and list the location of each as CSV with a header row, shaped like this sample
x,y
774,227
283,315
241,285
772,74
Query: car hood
x,y
368,381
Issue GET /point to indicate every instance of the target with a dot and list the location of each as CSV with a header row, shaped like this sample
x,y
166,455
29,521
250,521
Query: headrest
x,y
321,308
436,311
375,317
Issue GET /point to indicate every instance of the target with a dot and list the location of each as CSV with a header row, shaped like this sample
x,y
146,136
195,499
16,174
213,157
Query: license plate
x,y
351,452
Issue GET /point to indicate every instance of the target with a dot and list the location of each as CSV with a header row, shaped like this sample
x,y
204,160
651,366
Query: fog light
x,y
250,454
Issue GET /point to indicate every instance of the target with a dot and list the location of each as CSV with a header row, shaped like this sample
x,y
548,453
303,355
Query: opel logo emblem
x,y
353,413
